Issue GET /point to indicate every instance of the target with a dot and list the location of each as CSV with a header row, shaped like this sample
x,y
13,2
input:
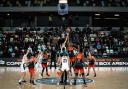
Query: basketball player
x,y
79,66
65,38
71,56
31,67
63,50
68,30
65,66
44,63
39,59
91,63
23,68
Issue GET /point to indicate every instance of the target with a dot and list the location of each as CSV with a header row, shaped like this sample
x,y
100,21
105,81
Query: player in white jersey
x,y
65,66
39,59
64,63
23,68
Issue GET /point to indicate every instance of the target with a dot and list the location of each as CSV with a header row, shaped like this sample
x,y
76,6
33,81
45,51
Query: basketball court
x,y
107,78
67,33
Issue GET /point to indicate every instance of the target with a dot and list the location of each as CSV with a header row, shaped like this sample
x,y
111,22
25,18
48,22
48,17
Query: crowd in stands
x,y
19,3
103,3
101,43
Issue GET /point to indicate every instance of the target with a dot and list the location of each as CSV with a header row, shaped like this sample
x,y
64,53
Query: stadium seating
x,y
101,43
98,3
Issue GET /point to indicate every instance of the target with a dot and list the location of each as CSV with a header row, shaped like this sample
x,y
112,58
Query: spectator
x,y
50,20
18,3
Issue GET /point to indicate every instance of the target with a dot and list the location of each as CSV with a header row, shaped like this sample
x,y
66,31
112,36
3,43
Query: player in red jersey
x,y
44,63
79,66
31,68
91,63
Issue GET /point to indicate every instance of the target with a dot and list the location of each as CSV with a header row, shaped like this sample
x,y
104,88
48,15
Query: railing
x,y
71,8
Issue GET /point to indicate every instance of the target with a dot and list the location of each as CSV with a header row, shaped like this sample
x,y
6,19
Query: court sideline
x,y
107,78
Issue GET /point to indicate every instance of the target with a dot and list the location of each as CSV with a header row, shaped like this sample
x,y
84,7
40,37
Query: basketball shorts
x,y
77,70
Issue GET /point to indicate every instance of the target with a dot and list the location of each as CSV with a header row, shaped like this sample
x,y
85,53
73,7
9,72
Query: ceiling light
x,y
8,14
116,15
97,14
63,1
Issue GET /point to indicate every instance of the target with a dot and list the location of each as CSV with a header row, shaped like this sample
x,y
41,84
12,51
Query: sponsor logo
x,y
104,63
2,62
13,63
112,63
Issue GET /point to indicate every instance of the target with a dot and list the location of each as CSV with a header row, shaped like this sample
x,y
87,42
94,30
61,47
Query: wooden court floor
x,y
107,78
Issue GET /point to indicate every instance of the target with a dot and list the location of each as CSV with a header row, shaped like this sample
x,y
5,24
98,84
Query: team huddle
x,y
69,60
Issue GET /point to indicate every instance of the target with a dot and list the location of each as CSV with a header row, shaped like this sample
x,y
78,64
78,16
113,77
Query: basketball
x,y
68,30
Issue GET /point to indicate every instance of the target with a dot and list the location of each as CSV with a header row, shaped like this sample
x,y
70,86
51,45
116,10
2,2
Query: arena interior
x,y
99,27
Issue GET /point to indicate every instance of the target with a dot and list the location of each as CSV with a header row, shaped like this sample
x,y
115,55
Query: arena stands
x,y
102,43
99,3
36,28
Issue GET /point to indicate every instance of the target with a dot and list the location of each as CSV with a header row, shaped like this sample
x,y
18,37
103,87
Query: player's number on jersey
x,y
64,60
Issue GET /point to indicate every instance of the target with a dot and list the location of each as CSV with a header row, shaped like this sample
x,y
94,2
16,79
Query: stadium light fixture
x,y
8,14
97,14
116,15
63,1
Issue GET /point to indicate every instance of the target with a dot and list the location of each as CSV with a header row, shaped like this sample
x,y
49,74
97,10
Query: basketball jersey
x,y
64,63
23,65
78,61
45,58
71,54
32,63
40,57
92,61
24,59
79,56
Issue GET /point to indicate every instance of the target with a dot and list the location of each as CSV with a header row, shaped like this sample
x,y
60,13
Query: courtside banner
x,y
2,62
100,62
111,62
7,62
